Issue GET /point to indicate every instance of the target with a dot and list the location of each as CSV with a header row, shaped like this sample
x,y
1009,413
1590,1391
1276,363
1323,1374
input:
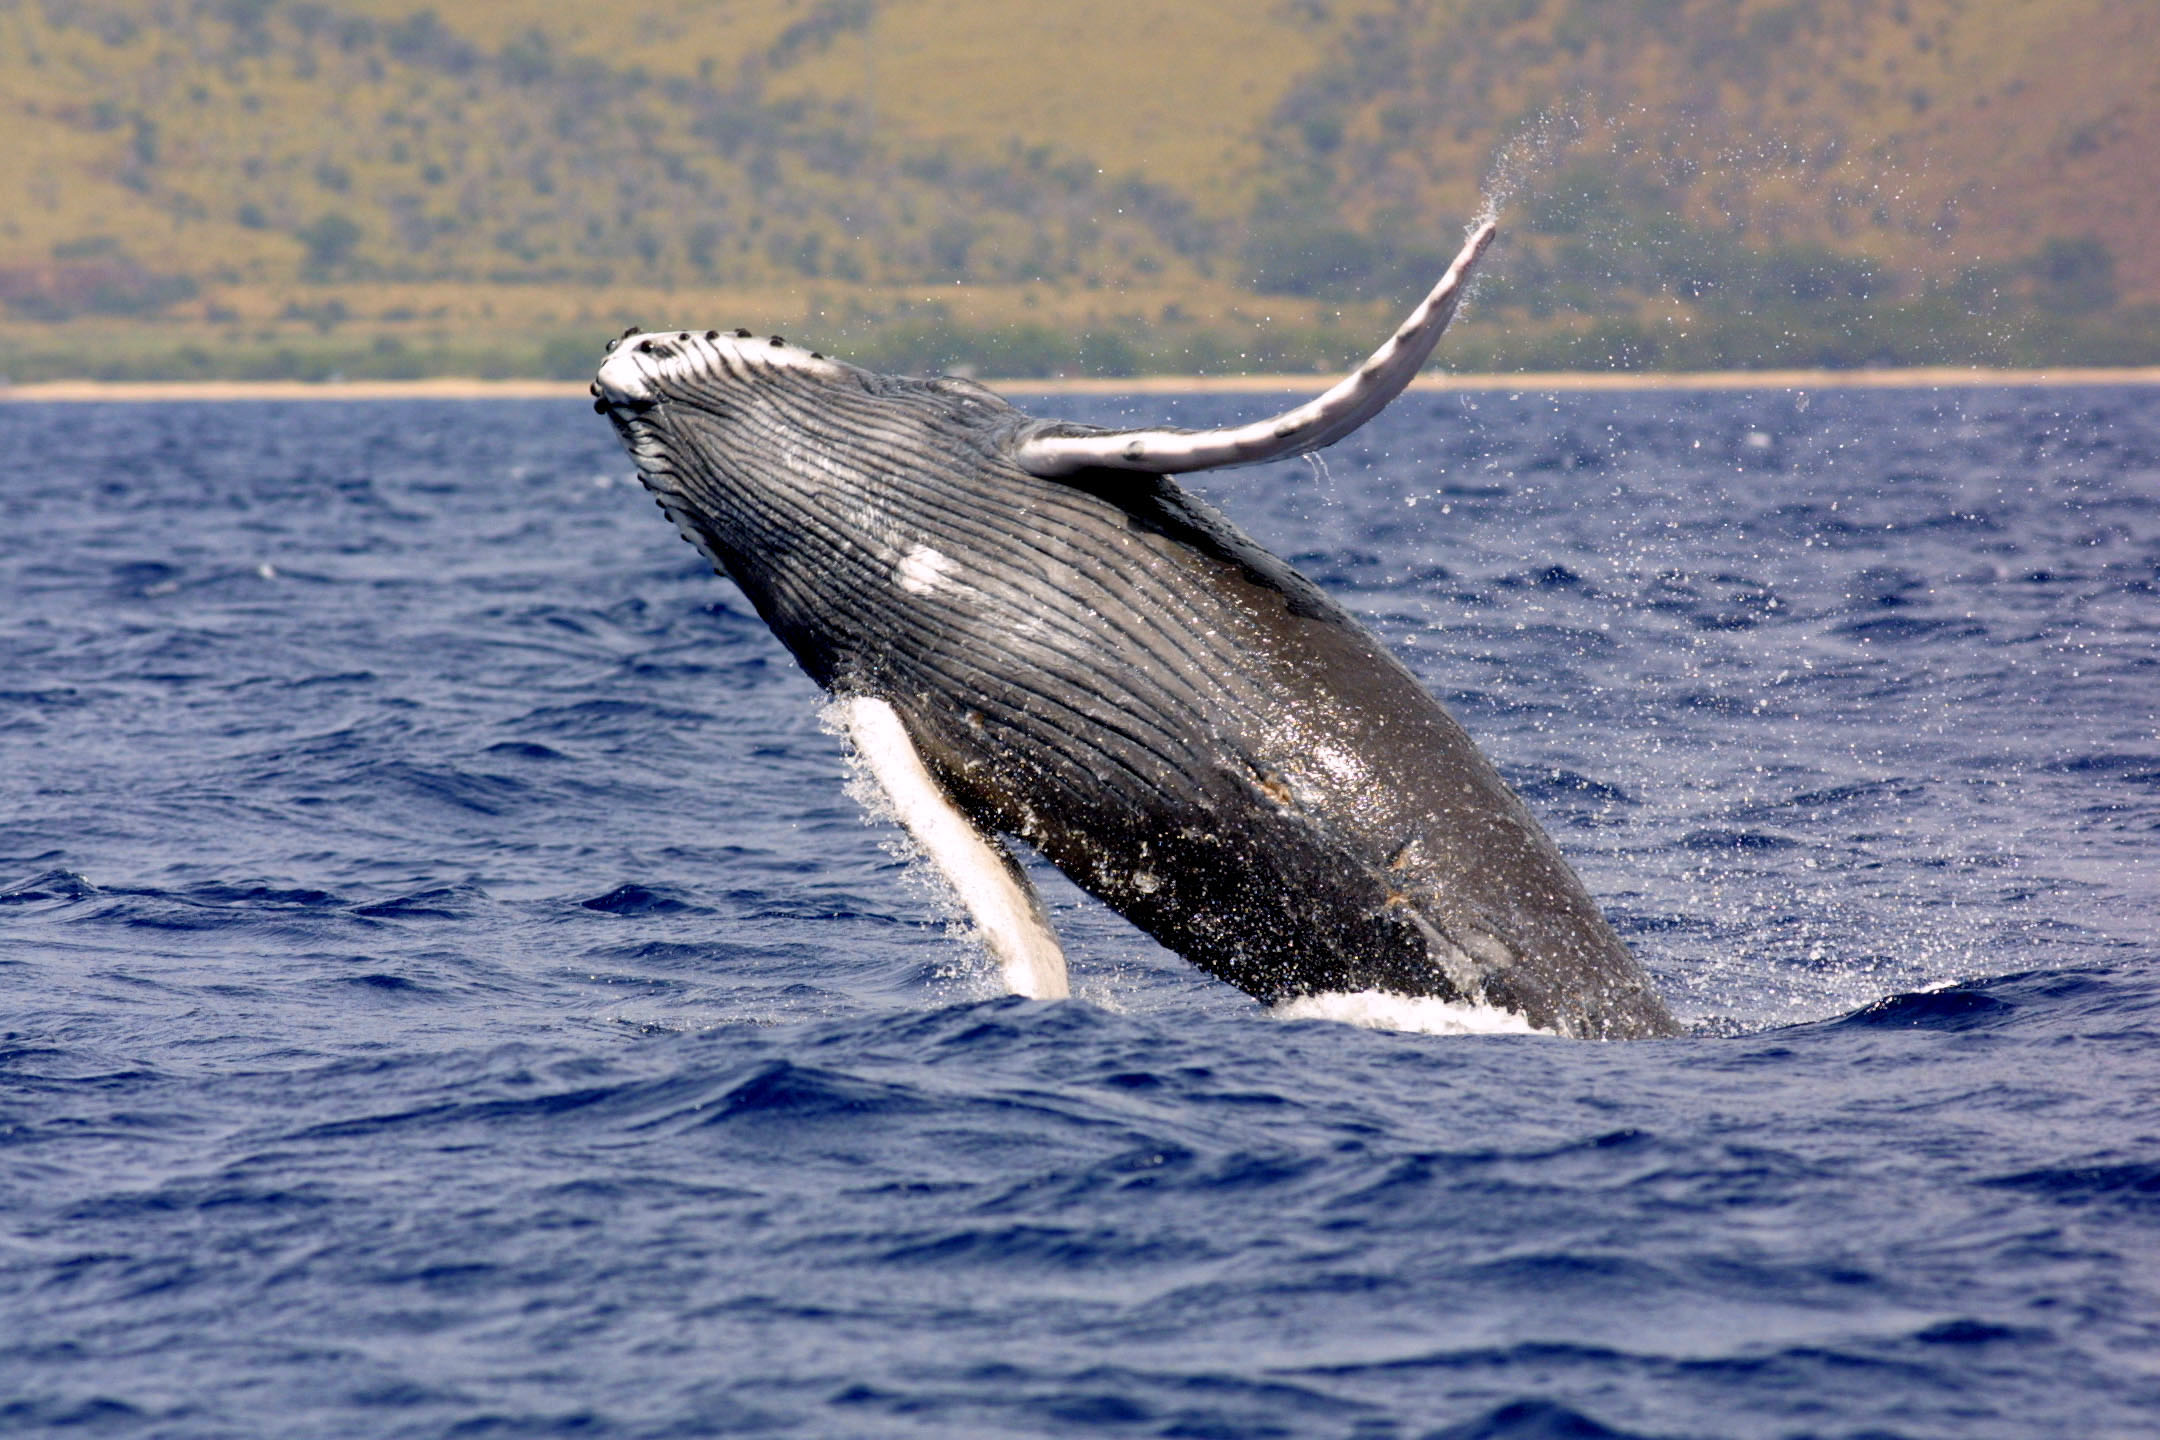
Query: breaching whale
x,y
1032,630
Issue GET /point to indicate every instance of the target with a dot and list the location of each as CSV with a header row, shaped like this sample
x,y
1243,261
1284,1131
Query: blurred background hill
x,y
368,188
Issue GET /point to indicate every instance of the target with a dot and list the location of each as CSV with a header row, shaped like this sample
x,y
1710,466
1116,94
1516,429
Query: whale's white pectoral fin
x,y
1006,910
1316,424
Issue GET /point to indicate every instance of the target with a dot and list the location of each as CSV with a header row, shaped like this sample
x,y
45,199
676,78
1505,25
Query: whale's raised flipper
x,y
1062,449
996,891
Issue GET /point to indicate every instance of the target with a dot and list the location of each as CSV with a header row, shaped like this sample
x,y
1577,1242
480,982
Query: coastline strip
x,y
452,388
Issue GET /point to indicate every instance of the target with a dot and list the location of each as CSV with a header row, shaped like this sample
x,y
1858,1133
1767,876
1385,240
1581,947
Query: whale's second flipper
x,y
990,883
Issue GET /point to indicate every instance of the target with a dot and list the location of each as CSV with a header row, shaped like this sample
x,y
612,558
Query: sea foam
x,y
1412,1014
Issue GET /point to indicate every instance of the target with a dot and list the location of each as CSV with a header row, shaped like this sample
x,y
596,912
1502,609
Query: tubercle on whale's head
x,y
775,405
661,387
646,367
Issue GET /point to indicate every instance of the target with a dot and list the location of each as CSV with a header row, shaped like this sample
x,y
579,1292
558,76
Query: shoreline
x,y
453,388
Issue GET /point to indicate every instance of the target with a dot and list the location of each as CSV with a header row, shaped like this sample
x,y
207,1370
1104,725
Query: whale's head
x,y
796,474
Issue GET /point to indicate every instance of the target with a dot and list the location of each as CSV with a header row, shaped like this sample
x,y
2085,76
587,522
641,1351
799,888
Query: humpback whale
x,y
1032,631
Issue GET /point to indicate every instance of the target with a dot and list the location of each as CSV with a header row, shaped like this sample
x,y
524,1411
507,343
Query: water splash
x,y
1526,158
1410,1014
1319,466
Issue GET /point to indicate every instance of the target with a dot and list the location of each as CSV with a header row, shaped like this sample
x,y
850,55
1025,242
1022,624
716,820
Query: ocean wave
x,y
447,988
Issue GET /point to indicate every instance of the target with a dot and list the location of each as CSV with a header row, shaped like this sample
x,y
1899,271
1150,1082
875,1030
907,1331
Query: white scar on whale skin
x,y
644,358
922,570
1004,906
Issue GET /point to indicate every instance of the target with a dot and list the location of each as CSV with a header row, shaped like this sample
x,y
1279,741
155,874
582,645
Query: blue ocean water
x,y
444,988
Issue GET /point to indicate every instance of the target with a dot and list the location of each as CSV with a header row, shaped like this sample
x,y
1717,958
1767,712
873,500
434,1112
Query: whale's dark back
x,y
1103,666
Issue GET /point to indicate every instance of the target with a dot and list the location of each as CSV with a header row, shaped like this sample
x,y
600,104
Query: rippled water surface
x,y
444,987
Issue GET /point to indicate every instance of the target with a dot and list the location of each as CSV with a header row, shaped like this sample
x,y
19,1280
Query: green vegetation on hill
x,y
1705,183
266,187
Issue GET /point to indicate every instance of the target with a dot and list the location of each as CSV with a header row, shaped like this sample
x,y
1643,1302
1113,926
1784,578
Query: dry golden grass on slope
x,y
2060,131
368,182
1927,134
190,142
323,141
1178,93
163,133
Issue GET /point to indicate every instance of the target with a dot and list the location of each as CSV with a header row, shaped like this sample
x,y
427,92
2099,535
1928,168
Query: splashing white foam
x,y
1411,1014
1526,158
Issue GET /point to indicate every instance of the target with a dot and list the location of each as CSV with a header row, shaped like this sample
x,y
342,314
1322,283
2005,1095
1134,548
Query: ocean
x,y
446,987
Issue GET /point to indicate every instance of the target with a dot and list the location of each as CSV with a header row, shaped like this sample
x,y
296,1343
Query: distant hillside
x,y
1826,179
270,186
249,141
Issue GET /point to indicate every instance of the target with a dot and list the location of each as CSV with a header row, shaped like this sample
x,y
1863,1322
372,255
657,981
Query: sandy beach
x,y
453,388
